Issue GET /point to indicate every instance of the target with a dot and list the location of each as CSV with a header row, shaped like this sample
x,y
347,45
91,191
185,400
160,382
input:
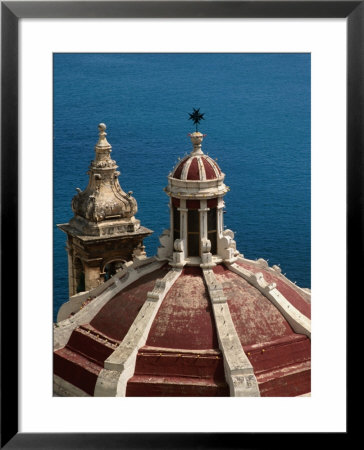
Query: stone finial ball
x,y
102,127
196,137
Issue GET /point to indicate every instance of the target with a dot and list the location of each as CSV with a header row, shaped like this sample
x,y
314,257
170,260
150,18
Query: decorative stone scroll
x,y
104,204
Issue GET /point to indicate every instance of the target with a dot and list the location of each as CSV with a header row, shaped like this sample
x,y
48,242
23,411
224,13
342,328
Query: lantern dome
x,y
197,165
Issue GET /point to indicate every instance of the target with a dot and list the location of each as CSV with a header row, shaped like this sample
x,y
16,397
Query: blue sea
x,y
257,121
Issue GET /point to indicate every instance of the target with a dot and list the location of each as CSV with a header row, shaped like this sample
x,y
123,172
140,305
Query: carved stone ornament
x,y
103,199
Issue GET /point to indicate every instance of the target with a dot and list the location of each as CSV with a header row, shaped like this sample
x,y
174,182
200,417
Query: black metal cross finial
x,y
196,116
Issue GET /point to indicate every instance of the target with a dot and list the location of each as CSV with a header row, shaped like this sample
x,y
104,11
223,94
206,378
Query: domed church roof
x,y
197,319
197,165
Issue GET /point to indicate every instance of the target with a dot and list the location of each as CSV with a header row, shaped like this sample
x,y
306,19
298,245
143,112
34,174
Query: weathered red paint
x,y
175,202
177,173
193,171
148,386
212,203
82,359
255,318
289,381
76,369
210,173
116,317
180,363
97,349
279,356
181,356
193,204
289,292
284,340
185,319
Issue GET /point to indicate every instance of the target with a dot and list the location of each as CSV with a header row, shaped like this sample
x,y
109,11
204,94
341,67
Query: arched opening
x,y
79,276
112,267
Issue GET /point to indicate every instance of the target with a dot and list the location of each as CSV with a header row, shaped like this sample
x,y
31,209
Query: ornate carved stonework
x,y
103,199
103,234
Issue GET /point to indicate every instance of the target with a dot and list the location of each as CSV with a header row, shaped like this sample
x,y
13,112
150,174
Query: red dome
x,y
199,167
181,355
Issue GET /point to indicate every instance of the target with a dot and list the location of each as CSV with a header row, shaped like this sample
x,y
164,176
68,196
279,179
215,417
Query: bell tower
x,y
103,233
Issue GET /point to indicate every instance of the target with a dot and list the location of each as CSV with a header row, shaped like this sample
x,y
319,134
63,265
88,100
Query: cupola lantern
x,y
196,189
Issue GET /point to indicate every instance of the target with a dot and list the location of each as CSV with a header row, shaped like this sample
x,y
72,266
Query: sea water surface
x,y
257,124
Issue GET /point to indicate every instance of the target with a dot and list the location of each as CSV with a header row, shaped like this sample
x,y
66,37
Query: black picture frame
x,y
11,12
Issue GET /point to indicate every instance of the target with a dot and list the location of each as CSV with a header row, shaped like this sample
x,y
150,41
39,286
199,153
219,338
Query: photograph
x,y
181,224
181,194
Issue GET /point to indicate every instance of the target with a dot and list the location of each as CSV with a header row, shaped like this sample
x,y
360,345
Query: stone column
x,y
220,222
203,224
183,223
205,244
203,219
220,215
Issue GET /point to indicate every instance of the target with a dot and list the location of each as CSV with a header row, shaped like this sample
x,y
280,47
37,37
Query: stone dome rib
x,y
285,287
185,319
255,318
239,372
178,170
116,317
279,356
297,320
197,168
198,319
123,359
182,345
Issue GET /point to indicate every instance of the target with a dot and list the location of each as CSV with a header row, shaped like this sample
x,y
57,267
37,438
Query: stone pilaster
x,y
220,215
183,223
203,219
205,244
220,223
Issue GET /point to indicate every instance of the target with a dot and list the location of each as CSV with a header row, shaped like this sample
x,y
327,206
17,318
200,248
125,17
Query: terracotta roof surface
x,y
200,167
181,355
